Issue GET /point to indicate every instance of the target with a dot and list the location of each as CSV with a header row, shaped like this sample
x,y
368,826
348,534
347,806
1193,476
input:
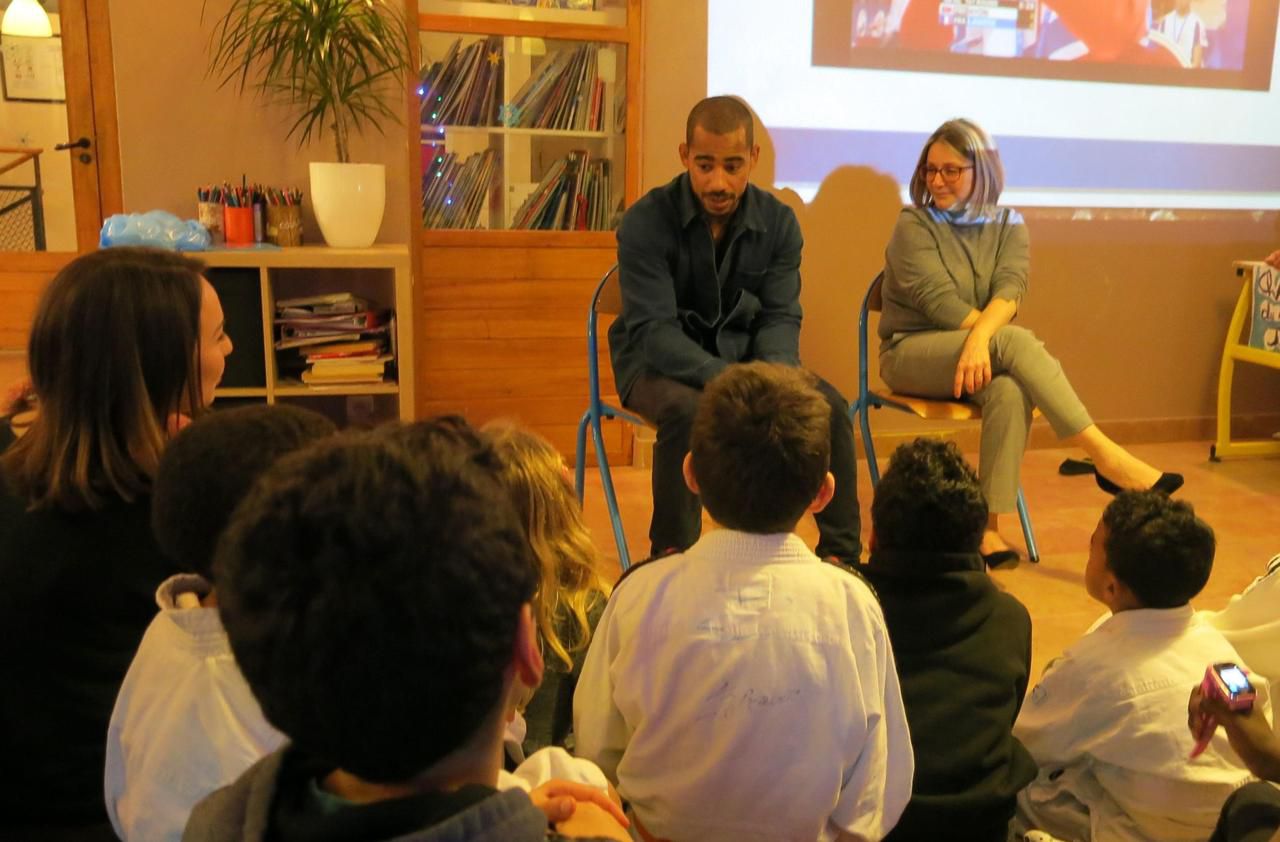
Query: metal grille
x,y
20,229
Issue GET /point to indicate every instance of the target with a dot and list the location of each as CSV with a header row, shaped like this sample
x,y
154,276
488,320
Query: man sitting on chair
x,y
709,269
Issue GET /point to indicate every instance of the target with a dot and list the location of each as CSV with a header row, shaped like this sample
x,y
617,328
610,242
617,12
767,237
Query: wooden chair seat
x,y
938,410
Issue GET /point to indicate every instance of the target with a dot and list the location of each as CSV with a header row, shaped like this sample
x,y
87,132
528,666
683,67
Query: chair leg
x,y
580,461
1028,533
869,448
610,498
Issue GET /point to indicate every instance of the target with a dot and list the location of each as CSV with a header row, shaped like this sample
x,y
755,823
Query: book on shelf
x,y
335,371
333,302
578,5
321,337
319,378
310,325
454,190
573,195
348,349
464,88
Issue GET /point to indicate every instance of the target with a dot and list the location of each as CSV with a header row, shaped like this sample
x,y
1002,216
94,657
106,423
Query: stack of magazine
x,y
454,190
465,87
573,195
566,93
335,339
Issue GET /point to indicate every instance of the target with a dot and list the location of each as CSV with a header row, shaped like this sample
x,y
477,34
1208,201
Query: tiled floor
x,y
1240,499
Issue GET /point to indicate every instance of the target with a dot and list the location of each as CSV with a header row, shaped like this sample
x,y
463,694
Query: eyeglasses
x,y
950,173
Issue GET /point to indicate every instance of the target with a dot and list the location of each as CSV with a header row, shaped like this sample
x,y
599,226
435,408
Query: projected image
x,y
1208,43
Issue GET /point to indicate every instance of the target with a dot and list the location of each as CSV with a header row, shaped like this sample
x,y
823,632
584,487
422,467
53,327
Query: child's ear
x,y
689,479
1118,596
825,493
527,658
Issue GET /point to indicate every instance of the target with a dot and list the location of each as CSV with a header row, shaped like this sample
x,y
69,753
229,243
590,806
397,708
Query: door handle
x,y
82,143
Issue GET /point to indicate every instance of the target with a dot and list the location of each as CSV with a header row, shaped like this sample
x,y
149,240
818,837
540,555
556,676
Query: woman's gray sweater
x,y
940,266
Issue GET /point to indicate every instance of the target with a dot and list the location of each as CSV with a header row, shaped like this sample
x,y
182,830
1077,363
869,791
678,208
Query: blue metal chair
x,y
919,407
606,299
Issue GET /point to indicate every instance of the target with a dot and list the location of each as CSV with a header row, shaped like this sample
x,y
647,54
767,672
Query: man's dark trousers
x,y
677,512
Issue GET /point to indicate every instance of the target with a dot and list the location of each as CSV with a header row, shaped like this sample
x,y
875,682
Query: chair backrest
x,y
608,299
871,302
875,299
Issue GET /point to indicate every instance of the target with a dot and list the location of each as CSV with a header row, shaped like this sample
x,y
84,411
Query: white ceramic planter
x,y
349,200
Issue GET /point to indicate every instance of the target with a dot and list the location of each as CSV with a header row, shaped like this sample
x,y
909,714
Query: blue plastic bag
x,y
158,229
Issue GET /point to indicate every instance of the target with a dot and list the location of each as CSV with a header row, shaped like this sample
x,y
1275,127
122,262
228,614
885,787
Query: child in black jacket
x,y
963,647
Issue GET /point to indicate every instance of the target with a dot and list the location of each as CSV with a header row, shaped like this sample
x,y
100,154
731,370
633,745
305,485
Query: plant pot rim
x,y
347,163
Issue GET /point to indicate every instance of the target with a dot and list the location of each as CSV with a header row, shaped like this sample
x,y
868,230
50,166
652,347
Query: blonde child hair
x,y
570,583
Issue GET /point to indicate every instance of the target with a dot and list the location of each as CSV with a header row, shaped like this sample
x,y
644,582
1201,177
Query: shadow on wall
x,y
846,228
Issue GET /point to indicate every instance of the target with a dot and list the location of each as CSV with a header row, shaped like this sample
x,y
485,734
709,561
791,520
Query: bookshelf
x,y
250,282
501,310
523,126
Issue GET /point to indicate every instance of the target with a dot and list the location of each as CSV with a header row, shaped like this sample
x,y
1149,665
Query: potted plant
x,y
338,64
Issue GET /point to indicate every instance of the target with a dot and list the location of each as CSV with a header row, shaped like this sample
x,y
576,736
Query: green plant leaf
x,y
334,63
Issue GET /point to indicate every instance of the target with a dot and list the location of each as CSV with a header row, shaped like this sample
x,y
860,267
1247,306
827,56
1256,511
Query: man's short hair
x,y
929,500
720,115
209,468
371,587
1157,547
761,446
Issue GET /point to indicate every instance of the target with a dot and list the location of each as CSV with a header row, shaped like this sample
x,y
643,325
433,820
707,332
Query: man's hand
x,y
973,371
1248,732
589,819
560,800
1274,258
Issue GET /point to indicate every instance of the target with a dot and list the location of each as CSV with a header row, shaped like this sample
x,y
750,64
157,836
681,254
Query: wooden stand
x,y
1236,349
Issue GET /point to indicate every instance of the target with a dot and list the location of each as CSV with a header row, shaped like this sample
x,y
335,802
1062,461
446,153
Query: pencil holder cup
x,y
284,225
238,225
209,214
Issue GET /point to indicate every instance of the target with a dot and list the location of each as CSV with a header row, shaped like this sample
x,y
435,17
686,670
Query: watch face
x,y
1235,680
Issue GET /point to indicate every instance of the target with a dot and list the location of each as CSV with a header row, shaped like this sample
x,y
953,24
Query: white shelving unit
x,y
380,274
606,13
525,154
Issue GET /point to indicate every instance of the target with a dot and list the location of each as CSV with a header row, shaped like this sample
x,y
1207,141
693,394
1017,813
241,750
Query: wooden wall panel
x,y
502,334
22,279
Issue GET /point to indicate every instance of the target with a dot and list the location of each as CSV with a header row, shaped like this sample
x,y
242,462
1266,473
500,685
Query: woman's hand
x,y
559,800
973,371
1274,259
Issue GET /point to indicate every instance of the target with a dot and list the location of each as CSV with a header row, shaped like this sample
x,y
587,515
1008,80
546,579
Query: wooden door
x,y
80,186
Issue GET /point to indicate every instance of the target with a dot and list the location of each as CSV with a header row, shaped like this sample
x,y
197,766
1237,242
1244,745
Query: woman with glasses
x,y
955,271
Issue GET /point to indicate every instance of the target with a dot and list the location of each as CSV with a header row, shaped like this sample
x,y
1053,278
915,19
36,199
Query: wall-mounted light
x,y
26,18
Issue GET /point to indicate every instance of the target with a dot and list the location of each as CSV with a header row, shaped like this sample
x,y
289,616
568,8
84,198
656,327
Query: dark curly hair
x,y
371,588
1157,547
929,500
211,465
761,446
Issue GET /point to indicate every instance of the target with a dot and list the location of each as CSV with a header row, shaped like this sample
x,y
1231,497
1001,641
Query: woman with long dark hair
x,y
126,345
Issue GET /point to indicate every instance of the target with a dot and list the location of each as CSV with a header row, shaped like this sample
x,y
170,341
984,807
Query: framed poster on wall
x,y
32,69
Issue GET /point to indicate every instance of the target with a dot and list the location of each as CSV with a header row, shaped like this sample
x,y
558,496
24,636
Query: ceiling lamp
x,y
26,18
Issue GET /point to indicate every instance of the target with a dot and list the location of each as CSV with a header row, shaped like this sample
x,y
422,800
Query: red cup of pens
x,y
237,225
